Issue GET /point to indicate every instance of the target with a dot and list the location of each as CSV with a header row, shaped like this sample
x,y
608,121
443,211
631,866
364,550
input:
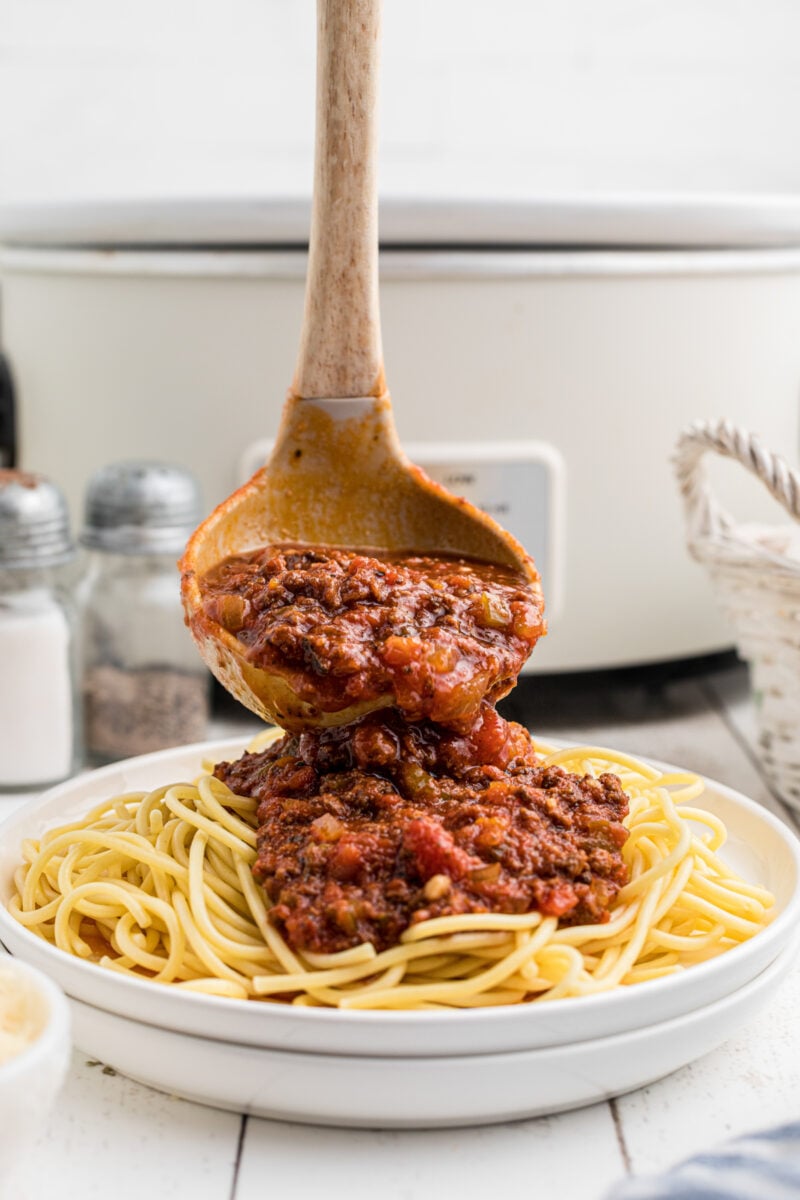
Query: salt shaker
x,y
145,687
39,704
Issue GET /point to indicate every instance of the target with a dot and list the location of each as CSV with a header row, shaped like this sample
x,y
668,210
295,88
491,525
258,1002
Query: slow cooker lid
x,y
461,216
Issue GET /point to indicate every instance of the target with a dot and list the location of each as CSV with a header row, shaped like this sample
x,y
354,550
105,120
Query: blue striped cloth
x,y
761,1166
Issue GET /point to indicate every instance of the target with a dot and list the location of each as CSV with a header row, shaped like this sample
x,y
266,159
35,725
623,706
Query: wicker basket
x,y
755,571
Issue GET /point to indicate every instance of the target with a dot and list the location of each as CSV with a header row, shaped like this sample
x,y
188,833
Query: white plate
x,y
759,846
397,1093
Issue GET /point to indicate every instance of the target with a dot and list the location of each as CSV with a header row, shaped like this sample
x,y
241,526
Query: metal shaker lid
x,y
140,508
34,522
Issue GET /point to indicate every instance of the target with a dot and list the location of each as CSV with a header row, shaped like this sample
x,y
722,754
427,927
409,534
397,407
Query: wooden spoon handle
x,y
340,343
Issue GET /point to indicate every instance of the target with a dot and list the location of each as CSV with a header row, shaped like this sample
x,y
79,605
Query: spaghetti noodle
x,y
160,885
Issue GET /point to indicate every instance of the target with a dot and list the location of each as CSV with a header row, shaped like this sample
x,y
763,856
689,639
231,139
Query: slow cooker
x,y
542,353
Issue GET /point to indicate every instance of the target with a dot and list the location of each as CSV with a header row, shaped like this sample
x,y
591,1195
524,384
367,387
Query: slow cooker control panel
x,y
520,484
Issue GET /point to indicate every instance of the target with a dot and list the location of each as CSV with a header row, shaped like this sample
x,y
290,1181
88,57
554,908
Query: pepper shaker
x,y
145,687
39,704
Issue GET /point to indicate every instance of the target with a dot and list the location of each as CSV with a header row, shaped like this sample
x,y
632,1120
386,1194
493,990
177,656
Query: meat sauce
x,y
368,828
431,805
433,636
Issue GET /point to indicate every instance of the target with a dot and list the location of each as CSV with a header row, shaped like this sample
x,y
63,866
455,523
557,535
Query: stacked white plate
x,y
403,1069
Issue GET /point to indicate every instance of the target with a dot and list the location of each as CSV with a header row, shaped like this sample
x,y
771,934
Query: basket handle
x,y
705,516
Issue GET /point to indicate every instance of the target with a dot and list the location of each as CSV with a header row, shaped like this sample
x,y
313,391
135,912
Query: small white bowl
x,y
30,1080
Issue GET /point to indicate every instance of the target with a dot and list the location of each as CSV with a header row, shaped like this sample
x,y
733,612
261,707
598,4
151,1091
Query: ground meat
x,y
367,830
432,805
433,637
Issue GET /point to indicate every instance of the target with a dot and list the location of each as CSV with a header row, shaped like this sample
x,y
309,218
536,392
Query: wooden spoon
x,y
337,475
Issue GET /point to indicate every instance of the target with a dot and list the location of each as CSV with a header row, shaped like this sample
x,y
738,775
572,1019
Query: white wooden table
x,y
113,1138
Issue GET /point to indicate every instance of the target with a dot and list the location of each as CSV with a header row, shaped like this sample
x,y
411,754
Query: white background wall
x,y
178,97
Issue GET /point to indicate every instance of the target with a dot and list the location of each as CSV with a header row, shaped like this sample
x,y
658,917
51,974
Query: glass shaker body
x,y
145,688
40,711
